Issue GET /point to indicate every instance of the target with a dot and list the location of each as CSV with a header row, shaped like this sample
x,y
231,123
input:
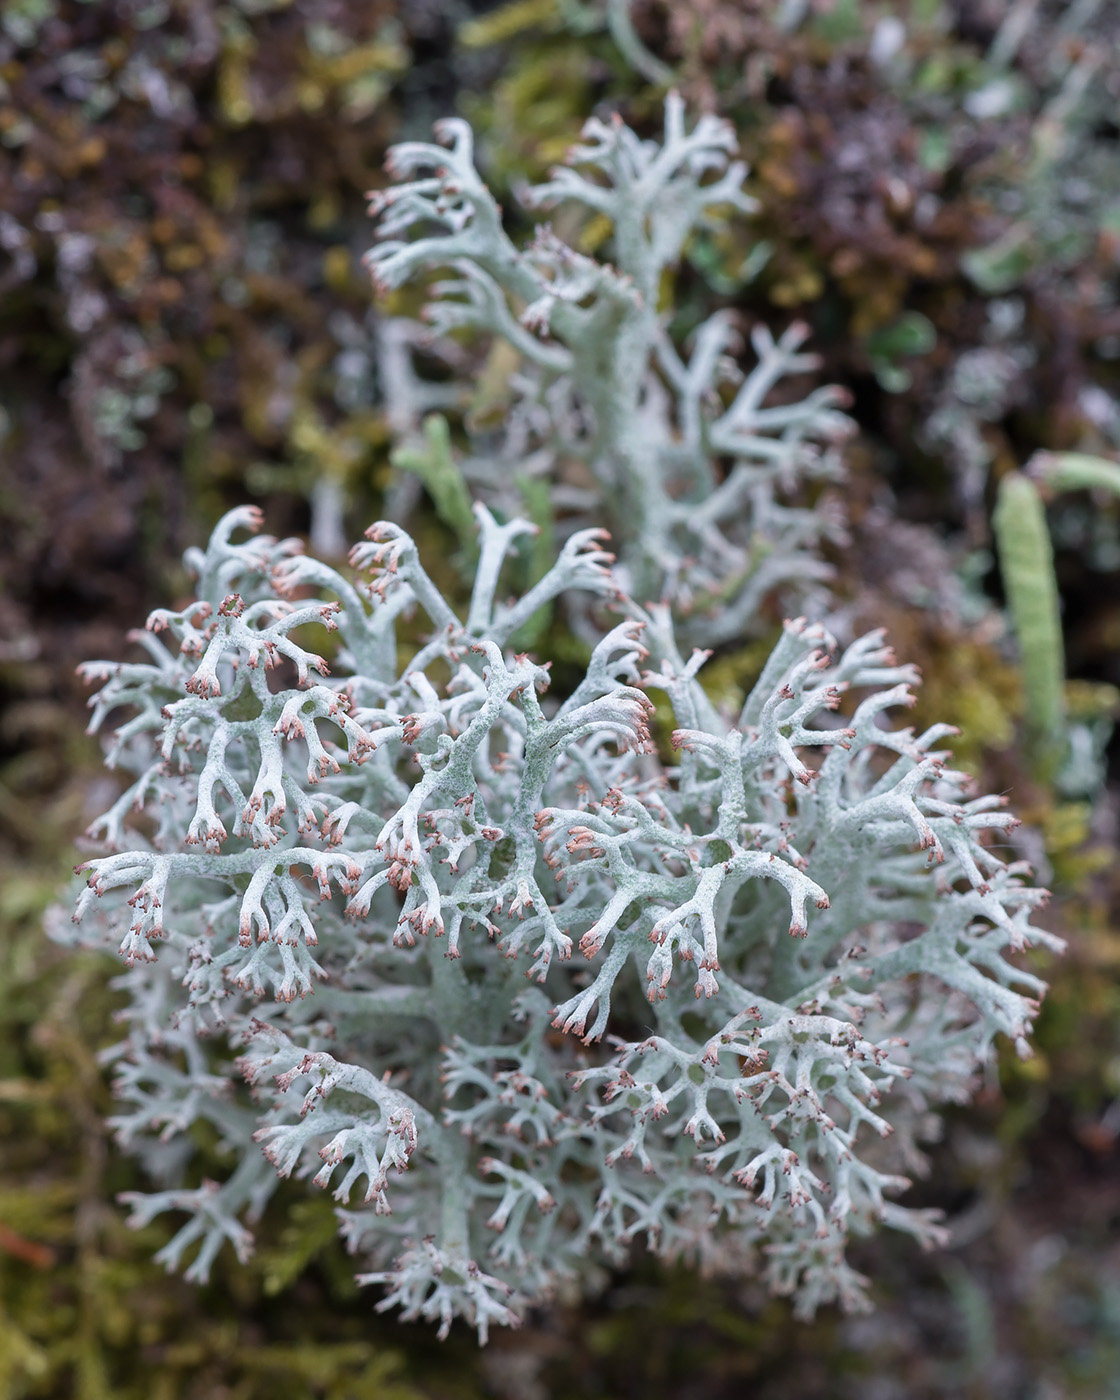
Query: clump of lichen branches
x,y
390,887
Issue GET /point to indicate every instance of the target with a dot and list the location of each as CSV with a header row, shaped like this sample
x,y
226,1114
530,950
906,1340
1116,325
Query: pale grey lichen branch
x,y
696,467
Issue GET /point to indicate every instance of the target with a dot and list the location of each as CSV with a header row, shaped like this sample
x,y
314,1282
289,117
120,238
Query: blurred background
x,y
185,325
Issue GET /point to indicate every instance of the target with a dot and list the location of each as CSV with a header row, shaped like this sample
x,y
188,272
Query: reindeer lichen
x,y
515,987
691,463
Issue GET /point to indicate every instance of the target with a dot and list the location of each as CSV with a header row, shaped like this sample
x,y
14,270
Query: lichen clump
x,y
519,988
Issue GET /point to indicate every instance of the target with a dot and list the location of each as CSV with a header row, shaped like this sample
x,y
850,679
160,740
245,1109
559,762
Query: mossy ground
x,y
223,245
